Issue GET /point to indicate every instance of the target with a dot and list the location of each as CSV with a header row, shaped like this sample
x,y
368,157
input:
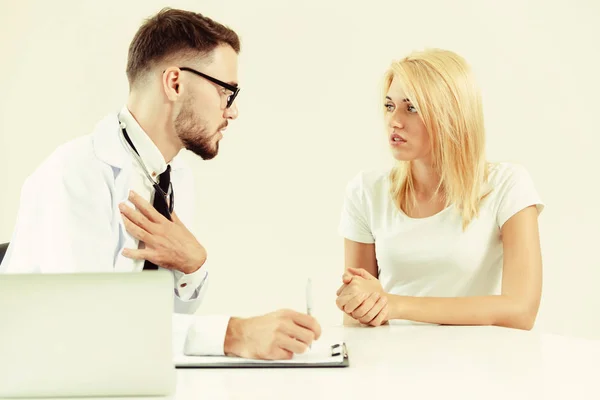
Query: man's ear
x,y
171,83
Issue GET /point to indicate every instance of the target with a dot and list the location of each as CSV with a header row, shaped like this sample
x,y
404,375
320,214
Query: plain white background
x,y
310,73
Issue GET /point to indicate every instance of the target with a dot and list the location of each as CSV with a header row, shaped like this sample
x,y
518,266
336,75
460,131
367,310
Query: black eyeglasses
x,y
233,89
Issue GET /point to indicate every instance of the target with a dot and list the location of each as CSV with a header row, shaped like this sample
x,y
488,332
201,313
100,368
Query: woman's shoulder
x,y
506,174
512,189
370,181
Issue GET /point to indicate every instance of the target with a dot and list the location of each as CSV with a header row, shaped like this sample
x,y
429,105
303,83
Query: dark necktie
x,y
160,204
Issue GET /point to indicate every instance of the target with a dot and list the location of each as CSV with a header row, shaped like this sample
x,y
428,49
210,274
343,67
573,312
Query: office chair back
x,y
3,248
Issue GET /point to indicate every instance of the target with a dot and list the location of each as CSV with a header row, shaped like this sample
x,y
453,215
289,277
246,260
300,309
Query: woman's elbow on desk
x,y
517,315
503,311
500,310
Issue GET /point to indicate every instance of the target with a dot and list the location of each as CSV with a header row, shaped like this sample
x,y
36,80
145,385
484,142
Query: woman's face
x,y
408,137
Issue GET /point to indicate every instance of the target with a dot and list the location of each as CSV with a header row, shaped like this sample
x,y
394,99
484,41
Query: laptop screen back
x,y
90,334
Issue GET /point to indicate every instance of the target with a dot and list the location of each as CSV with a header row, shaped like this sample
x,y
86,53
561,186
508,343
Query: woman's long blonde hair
x,y
440,85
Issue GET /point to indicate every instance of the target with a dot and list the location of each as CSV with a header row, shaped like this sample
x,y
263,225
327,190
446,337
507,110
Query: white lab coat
x,y
68,218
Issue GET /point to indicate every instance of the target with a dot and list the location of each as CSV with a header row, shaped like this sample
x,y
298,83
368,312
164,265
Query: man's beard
x,y
193,133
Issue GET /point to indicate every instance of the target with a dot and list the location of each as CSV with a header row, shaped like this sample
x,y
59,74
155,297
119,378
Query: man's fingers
x,y
135,230
307,322
137,254
282,354
136,217
145,208
290,344
366,306
374,311
301,334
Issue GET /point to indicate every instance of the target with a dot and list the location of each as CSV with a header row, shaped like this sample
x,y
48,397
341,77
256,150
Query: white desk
x,y
422,362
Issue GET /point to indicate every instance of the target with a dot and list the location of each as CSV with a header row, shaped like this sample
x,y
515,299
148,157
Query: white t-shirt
x,y
433,256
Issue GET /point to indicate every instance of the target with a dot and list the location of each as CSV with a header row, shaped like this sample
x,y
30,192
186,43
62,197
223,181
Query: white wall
x,y
310,74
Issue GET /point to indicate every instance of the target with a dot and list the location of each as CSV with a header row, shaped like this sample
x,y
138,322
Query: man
x,y
118,199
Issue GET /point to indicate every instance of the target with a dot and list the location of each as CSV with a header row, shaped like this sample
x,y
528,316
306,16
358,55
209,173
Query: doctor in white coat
x,y
119,198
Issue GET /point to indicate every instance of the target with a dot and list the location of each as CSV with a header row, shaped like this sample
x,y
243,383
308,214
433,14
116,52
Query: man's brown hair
x,y
172,32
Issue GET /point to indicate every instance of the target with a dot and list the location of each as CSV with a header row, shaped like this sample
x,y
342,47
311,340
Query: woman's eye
x,y
389,107
411,108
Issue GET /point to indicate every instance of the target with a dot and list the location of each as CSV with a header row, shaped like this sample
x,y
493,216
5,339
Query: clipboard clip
x,y
338,349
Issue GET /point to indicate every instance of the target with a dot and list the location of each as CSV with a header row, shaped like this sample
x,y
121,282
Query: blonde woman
x,y
444,237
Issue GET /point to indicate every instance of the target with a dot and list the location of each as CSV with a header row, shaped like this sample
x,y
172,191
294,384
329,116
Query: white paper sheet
x,y
319,354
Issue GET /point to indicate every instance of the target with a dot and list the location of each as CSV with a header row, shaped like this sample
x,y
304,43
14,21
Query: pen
x,y
309,302
309,297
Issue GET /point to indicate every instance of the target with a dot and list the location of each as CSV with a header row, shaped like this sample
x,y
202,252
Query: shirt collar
x,y
149,153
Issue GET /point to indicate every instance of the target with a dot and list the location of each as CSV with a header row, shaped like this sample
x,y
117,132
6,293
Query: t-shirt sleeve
x,y
517,193
354,222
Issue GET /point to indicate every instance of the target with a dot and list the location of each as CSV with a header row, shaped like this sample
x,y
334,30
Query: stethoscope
x,y
136,155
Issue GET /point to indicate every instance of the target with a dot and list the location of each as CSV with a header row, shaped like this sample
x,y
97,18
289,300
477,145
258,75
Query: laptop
x,y
87,334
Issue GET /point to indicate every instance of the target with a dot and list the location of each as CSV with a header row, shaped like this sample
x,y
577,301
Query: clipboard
x,y
334,356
